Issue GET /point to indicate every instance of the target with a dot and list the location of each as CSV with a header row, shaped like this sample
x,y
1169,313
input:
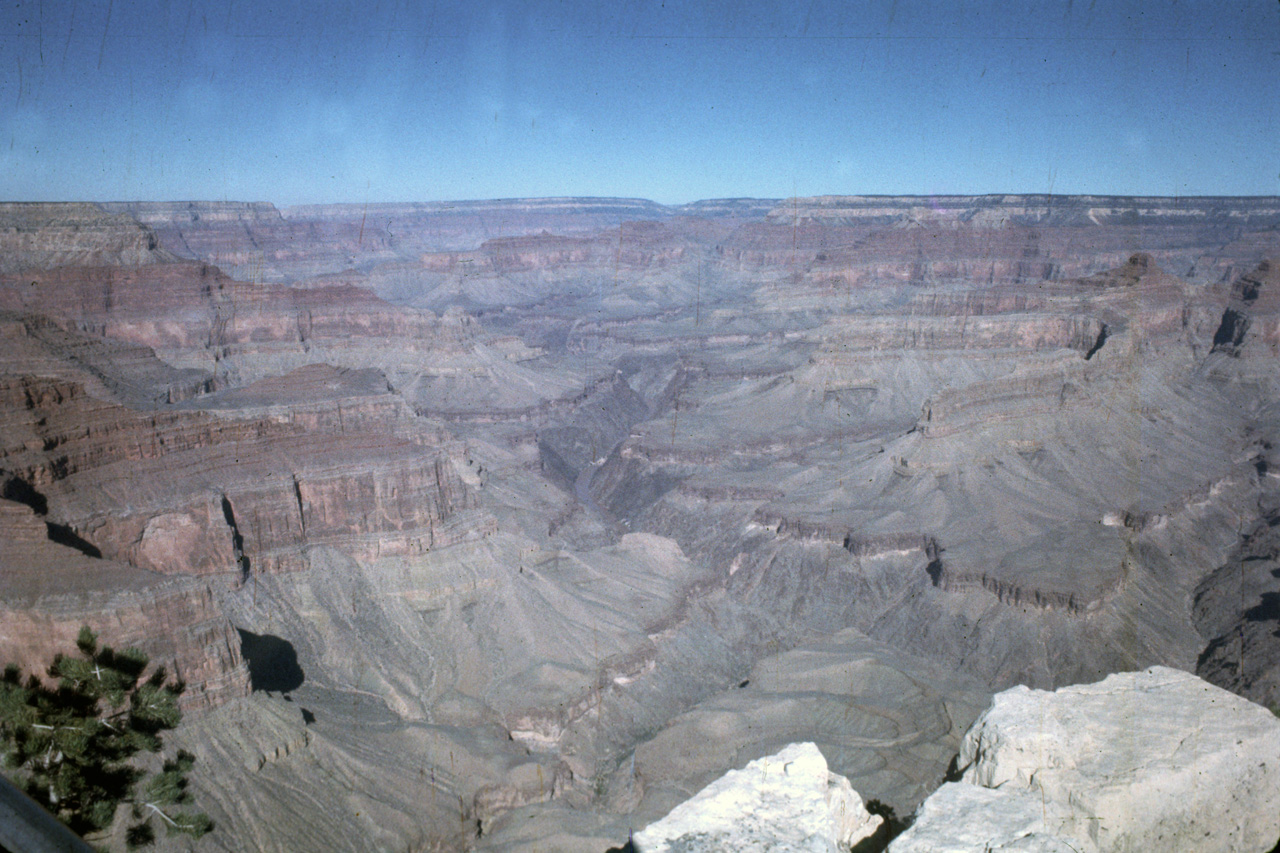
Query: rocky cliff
x,y
257,242
52,583
135,466
999,210
188,492
36,236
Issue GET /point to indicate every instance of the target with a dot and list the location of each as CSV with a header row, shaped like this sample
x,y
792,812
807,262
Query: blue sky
x,y
395,101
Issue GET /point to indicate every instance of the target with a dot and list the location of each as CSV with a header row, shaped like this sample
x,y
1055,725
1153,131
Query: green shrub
x,y
72,745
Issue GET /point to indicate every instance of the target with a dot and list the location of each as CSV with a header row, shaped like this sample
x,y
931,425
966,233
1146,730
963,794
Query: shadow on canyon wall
x,y
273,662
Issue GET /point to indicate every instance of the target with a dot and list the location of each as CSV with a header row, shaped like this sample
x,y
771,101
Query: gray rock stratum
x,y
520,522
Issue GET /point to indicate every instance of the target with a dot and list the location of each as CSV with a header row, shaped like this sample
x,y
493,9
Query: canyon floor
x,y
509,525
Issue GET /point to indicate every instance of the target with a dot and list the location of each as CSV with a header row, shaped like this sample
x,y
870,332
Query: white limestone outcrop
x,y
960,818
788,802
1152,760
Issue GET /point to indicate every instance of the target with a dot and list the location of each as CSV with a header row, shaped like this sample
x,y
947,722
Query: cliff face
x,y
186,492
257,242
184,306
838,239
49,590
1235,607
253,242
182,494
36,235
1040,210
1252,315
139,473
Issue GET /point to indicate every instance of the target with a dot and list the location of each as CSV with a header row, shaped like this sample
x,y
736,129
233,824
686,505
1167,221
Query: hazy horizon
x,y
780,200
669,102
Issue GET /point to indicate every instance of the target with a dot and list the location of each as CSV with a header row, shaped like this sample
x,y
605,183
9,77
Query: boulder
x,y
1151,760
783,802
960,818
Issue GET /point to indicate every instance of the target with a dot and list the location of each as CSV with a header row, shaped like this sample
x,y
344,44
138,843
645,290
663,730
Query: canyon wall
x,y
522,521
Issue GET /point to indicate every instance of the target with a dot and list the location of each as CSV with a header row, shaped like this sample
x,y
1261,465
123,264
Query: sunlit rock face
x,y
1157,759
550,512
787,801
960,818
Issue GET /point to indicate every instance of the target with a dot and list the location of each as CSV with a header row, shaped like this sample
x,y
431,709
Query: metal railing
x,y
25,827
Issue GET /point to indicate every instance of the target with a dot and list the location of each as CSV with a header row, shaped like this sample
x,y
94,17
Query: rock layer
x,y
35,236
50,590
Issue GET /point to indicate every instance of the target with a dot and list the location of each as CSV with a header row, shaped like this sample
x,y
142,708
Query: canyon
x,y
511,525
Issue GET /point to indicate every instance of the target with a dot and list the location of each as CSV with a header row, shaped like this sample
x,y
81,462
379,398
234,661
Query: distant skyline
x,y
298,103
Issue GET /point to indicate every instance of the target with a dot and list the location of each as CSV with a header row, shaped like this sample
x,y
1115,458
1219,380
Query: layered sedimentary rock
x,y
787,801
194,315
543,514
184,492
96,444
998,210
1138,761
254,242
258,242
50,587
36,236
110,369
1237,610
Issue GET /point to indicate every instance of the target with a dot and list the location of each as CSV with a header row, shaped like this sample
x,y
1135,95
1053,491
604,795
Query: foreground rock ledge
x,y
784,802
1152,760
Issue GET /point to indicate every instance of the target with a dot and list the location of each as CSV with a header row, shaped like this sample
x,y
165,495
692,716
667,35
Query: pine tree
x,y
72,744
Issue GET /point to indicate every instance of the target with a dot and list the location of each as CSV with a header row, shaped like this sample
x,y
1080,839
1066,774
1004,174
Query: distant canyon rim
x,y
509,525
